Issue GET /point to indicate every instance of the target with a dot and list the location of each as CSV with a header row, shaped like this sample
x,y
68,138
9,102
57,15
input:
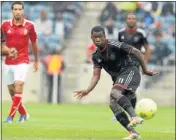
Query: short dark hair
x,y
17,2
97,29
129,13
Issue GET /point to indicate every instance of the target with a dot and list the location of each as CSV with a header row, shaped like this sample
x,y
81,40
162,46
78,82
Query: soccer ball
x,y
146,108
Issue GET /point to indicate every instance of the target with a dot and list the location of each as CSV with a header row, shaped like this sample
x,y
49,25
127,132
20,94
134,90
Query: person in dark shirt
x,y
113,56
136,37
132,35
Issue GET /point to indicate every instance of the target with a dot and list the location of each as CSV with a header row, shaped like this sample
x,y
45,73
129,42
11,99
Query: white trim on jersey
x,y
115,43
121,30
142,32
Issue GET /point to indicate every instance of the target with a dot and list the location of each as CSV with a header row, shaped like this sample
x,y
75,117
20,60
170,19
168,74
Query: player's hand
x,y
150,72
12,53
35,66
80,94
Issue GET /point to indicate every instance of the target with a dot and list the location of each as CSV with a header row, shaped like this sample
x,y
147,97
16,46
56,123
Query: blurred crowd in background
x,y
53,20
156,18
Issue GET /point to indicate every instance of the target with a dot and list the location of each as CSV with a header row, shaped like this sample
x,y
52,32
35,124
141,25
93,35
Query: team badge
x,y
122,37
25,31
136,38
9,31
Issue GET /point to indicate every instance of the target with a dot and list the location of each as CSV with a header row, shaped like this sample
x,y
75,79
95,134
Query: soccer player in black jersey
x,y
136,37
113,57
132,35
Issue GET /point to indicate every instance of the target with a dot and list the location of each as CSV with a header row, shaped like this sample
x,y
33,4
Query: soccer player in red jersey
x,y
17,32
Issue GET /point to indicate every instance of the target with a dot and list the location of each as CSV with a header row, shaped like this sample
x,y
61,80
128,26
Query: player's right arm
x,y
94,80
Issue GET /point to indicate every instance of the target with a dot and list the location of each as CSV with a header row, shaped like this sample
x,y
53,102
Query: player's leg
x,y
132,97
120,115
9,78
20,72
129,80
21,108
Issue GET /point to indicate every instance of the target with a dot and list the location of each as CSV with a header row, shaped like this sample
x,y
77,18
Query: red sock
x,y
22,109
16,102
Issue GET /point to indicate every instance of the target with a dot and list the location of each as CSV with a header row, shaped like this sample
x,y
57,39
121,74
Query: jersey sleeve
x,y
144,37
2,33
126,49
33,34
144,40
95,62
119,36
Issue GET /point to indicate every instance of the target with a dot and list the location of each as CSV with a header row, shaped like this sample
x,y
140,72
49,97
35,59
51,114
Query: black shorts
x,y
128,79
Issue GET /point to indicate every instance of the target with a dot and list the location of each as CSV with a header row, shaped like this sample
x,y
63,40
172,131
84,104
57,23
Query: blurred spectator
x,y
110,30
161,50
54,64
59,27
110,10
44,26
91,48
168,7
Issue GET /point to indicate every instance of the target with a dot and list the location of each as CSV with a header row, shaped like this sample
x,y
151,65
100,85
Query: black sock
x,y
122,117
133,102
126,105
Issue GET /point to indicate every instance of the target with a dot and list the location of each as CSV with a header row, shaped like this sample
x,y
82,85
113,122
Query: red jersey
x,y
18,36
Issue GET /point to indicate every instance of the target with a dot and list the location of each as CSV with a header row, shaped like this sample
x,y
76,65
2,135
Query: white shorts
x,y
14,73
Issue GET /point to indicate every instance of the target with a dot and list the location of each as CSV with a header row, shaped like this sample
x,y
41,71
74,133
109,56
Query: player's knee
x,y
19,86
11,89
116,93
112,104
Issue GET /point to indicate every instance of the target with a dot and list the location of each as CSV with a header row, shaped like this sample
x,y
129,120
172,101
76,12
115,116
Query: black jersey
x,y
114,58
137,39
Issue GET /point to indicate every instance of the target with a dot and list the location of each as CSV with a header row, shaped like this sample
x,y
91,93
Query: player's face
x,y
18,11
131,21
98,39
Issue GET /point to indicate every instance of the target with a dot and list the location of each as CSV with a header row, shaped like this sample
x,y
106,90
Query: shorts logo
x,y
99,60
120,80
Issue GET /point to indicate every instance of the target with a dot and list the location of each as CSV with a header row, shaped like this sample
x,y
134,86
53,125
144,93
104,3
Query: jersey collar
x,y
22,22
133,30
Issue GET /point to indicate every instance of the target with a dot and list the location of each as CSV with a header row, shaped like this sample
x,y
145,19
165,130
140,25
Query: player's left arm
x,y
147,53
33,38
127,49
147,47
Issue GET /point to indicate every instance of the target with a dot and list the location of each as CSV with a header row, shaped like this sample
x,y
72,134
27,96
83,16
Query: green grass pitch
x,y
83,122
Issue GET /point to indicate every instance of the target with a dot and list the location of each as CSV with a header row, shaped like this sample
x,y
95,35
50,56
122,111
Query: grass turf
x,y
83,122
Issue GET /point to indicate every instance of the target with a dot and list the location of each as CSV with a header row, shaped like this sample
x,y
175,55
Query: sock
x,y
122,118
126,105
21,109
16,102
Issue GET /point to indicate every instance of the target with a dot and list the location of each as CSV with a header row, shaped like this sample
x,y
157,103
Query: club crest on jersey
x,y
122,37
136,38
9,31
112,56
25,31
